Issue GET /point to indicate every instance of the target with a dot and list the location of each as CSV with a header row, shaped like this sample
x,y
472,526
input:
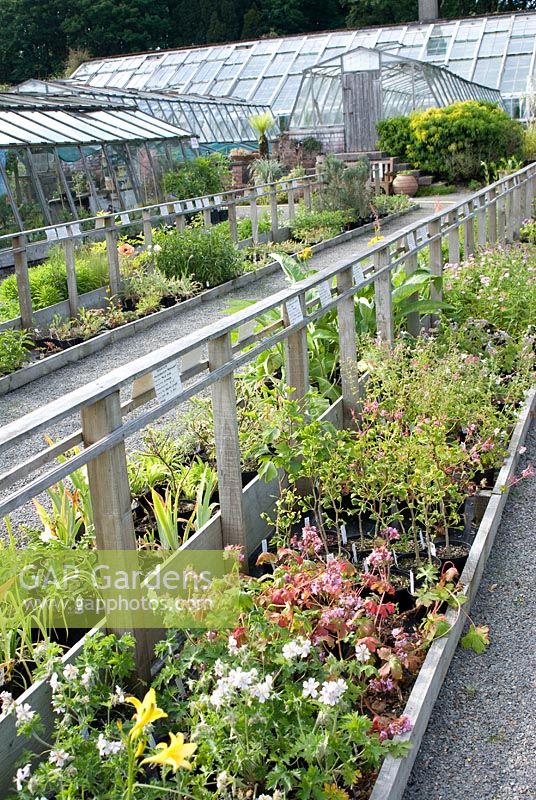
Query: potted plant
x,y
405,182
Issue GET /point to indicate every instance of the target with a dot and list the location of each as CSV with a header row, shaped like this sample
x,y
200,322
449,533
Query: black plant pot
x,y
460,551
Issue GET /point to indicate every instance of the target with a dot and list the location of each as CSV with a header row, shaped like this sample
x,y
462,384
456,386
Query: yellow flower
x,y
175,754
146,712
305,254
375,240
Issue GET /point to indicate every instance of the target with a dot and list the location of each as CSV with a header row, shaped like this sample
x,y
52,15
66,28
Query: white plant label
x,y
422,234
433,550
324,293
217,198
177,208
359,275
167,382
294,310
344,537
412,241
264,545
164,211
125,219
189,205
395,559
307,522
330,557
421,540
354,553
194,144
62,232
411,582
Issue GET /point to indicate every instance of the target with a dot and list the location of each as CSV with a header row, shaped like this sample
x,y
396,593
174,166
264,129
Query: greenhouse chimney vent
x,y
428,10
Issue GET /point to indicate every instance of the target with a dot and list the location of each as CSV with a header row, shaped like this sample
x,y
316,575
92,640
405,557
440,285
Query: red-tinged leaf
x,y
266,558
476,638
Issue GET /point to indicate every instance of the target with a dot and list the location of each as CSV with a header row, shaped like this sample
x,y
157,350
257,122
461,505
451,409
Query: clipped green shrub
x,y
201,176
394,136
48,281
208,256
315,226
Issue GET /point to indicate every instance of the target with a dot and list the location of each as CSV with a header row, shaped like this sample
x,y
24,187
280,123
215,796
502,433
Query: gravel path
x,y
44,390
480,740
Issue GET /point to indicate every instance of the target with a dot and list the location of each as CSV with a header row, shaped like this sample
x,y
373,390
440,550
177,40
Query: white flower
x,y
264,797
157,248
221,693
332,691
23,773
219,667
310,688
222,781
362,653
118,696
59,757
24,713
6,699
54,682
70,672
86,677
232,645
297,648
107,748
262,691
240,679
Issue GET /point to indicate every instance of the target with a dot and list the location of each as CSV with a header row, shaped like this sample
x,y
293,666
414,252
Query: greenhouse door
x,y
362,109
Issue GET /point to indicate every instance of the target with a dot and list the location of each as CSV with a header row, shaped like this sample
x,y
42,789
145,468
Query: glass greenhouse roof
x,y
40,121
211,119
406,85
497,51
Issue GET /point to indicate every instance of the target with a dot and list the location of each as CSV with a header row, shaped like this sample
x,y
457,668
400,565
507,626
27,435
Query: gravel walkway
x,y
480,740
44,390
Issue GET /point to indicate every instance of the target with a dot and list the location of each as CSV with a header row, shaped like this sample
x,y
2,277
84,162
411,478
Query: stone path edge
x,y
395,772
32,372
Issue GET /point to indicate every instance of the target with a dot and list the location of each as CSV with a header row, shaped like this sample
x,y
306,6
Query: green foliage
x,y
207,256
385,204
244,227
315,226
48,281
476,638
453,142
267,170
14,347
529,142
202,176
345,187
394,136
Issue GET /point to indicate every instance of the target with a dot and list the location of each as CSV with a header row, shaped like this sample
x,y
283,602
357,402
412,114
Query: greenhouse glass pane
x,y
221,87
265,90
515,74
287,94
463,49
524,24
266,46
437,47
462,67
244,87
487,71
469,31
279,64
254,66
492,44
521,44
303,61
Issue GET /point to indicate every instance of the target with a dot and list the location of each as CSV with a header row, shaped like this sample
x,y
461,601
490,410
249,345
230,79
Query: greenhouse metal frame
x,y
496,51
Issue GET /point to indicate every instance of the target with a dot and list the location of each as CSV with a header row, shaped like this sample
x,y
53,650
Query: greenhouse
x,y
361,87
496,51
219,123
70,158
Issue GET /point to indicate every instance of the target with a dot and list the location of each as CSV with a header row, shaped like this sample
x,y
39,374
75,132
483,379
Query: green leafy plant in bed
x,y
208,256
14,350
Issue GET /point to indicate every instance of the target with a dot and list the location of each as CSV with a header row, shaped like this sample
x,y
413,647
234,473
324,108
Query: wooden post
x,y
481,215
454,239
347,347
383,299
492,216
254,215
296,359
273,215
207,218
147,229
180,223
307,195
436,257
113,255
291,206
231,208
72,290
20,259
501,216
516,208
227,444
413,320
111,500
527,197
469,232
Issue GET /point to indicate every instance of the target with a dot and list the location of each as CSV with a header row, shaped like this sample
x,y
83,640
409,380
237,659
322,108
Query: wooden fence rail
x,y
208,358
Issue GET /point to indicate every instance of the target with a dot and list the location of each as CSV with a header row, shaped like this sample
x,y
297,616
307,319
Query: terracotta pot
x,y
405,184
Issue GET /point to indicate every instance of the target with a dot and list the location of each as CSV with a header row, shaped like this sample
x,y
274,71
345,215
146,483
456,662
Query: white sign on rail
x,y
359,275
324,293
294,310
167,382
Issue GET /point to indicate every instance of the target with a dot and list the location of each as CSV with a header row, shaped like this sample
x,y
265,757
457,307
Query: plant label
x,y
411,240
177,208
205,202
189,205
395,559
164,210
167,382
258,191
306,523
217,199
62,232
359,275
330,557
324,293
194,144
264,545
411,582
433,550
344,537
421,540
422,233
354,553
125,219
294,310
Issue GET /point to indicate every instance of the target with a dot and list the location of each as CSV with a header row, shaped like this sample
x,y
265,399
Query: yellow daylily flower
x,y
146,712
175,754
305,254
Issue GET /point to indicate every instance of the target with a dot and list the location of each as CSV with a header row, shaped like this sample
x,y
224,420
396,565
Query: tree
x,y
32,42
379,12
